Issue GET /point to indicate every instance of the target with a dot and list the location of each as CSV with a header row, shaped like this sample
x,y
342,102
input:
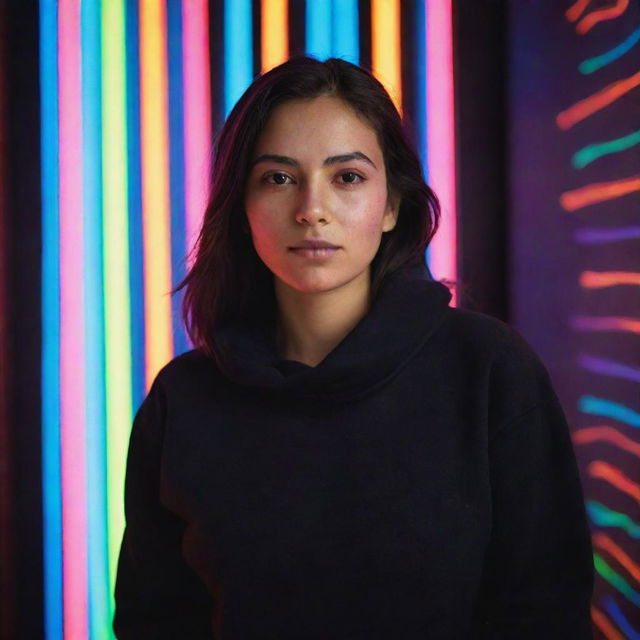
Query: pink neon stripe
x,y
441,135
72,415
197,113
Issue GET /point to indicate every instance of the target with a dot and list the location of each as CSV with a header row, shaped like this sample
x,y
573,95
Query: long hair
x,y
228,282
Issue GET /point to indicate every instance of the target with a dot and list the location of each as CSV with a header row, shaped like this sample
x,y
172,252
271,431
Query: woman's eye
x,y
351,177
278,178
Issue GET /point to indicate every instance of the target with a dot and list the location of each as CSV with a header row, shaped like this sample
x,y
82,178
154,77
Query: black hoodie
x,y
418,483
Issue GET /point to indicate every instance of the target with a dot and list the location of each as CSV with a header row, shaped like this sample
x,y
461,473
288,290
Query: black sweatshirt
x,y
419,483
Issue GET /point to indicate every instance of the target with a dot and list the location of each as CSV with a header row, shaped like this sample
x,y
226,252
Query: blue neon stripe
x,y
238,50
176,172
344,22
615,612
99,608
318,41
134,195
593,64
50,380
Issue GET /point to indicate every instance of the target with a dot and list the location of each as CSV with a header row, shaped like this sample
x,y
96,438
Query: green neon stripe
x,y
116,267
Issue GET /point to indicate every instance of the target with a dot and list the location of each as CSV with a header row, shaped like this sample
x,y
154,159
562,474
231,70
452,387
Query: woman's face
x,y
317,172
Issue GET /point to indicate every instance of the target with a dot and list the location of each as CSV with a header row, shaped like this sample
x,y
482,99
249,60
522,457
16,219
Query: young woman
x,y
343,454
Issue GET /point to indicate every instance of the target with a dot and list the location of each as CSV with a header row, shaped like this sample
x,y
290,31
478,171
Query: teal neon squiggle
x,y
605,517
616,580
592,152
610,409
593,64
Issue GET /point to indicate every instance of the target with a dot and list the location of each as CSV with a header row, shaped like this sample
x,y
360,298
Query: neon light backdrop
x,y
130,93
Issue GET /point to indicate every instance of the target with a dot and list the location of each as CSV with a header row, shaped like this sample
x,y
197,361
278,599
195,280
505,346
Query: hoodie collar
x,y
409,307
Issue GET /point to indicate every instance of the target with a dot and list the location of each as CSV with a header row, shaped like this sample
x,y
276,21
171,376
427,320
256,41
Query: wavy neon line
x,y
605,517
599,279
599,15
604,407
616,580
609,367
597,62
598,192
591,235
599,100
608,434
604,625
614,476
605,323
576,10
592,152
604,542
616,613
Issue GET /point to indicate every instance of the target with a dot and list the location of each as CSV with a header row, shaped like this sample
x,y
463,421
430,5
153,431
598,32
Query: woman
x,y
343,454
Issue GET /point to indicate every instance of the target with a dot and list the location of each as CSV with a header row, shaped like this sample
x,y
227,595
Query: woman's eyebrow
x,y
346,157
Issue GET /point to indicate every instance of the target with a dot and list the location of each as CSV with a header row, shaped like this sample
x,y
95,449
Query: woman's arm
x,y
538,576
157,595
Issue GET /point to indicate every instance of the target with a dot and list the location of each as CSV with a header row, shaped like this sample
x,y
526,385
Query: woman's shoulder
x,y
186,370
512,368
491,335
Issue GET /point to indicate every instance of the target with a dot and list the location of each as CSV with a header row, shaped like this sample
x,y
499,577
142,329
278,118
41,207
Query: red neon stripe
x,y
197,113
72,416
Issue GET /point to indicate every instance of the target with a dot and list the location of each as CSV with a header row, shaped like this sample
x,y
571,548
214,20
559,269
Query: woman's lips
x,y
318,253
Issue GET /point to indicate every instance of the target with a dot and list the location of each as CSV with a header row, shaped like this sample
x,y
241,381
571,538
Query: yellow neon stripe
x,y
386,60
116,270
155,186
275,35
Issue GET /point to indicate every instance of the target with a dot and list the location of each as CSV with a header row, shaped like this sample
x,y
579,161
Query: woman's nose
x,y
314,207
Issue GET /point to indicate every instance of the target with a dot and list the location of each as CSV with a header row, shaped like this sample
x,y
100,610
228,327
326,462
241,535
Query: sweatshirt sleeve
x,y
538,574
157,595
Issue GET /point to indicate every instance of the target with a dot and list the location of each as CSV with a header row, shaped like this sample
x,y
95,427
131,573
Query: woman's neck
x,y
311,325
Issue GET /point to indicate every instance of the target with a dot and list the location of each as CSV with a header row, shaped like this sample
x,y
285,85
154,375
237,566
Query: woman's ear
x,y
391,214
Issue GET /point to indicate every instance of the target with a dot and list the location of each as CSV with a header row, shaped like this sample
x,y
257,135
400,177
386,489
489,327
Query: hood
x,y
409,307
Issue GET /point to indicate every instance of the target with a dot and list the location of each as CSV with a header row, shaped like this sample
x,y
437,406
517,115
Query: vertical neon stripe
x,y
318,28
176,159
238,50
274,33
386,60
72,375
344,25
197,114
116,268
441,135
155,185
50,381
134,195
94,323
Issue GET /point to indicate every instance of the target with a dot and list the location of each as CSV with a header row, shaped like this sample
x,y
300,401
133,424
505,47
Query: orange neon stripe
x,y
576,10
604,625
386,60
599,279
598,192
155,186
599,100
615,477
607,434
608,13
275,33
603,541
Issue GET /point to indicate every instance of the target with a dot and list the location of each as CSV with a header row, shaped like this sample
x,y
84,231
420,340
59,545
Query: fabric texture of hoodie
x,y
418,483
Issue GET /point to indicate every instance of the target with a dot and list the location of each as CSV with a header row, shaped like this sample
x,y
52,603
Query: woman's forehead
x,y
323,126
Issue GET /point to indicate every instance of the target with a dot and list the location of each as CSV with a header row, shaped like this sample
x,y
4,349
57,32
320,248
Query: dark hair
x,y
228,282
